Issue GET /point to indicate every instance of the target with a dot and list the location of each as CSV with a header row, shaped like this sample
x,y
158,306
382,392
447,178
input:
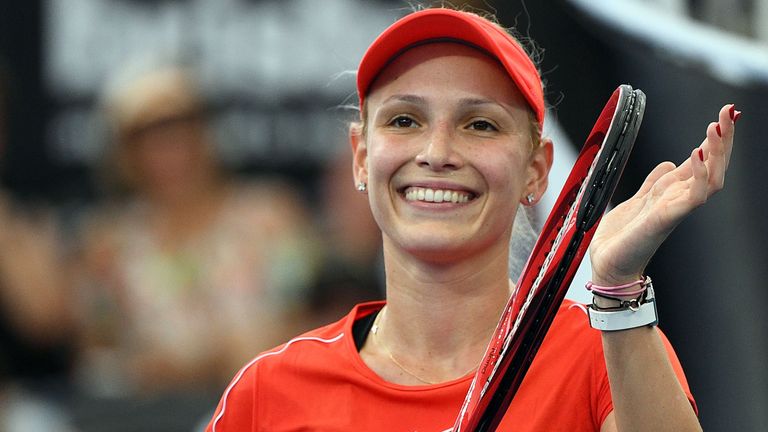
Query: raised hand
x,y
630,234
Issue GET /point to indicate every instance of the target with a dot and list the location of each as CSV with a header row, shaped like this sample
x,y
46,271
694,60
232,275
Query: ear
x,y
538,171
359,153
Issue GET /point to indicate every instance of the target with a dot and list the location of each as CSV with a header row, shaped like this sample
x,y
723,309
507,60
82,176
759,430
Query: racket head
x,y
617,142
554,260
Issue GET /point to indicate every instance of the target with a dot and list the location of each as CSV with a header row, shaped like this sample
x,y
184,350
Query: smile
x,y
437,195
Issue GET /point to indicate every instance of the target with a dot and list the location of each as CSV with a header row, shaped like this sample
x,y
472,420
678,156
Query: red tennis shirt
x,y
318,382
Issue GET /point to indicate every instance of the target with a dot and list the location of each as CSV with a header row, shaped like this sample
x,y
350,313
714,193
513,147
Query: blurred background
x,y
177,196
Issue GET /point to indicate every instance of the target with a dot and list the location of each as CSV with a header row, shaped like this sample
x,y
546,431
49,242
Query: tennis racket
x,y
556,256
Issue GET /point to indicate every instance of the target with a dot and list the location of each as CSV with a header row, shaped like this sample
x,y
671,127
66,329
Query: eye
x,y
482,125
403,122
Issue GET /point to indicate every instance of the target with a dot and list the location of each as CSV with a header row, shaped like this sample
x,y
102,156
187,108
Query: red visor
x,y
447,24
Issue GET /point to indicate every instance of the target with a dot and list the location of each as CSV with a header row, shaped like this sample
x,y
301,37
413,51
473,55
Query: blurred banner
x,y
273,71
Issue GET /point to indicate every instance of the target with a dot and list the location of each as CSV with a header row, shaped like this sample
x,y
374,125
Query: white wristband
x,y
624,319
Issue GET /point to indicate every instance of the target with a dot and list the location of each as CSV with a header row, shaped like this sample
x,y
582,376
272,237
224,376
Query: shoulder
x,y
317,345
271,369
289,369
325,346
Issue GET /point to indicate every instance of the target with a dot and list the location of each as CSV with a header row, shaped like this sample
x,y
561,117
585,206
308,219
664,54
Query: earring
x,y
530,197
361,186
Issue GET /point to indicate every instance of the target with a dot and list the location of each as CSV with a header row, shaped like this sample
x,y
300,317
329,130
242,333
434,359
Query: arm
x,y
34,282
646,393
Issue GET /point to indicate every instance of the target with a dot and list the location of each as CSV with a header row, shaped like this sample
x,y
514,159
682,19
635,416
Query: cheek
x,y
505,170
383,161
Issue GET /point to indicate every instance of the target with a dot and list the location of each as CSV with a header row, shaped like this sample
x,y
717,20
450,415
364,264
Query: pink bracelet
x,y
611,290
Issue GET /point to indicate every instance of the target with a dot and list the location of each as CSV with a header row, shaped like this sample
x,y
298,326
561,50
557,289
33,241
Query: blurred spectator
x,y
35,315
352,269
187,272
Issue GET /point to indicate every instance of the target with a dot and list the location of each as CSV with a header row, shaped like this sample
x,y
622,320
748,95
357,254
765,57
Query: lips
x,y
432,195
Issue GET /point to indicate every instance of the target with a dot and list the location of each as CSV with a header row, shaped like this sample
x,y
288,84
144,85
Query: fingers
x,y
708,162
699,187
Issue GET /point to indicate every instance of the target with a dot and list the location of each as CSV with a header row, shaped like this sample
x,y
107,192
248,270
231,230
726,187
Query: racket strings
x,y
549,256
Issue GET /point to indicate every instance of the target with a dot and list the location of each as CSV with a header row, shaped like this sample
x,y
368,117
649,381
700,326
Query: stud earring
x,y
530,197
361,186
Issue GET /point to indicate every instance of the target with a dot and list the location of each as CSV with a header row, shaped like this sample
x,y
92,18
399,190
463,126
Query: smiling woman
x,y
459,125
447,149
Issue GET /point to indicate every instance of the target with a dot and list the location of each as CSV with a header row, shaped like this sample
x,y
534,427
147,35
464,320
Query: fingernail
x,y
731,111
701,155
717,129
736,116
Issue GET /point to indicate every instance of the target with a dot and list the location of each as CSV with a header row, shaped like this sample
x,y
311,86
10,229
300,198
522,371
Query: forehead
x,y
446,67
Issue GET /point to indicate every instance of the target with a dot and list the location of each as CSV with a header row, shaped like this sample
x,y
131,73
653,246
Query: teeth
x,y
436,195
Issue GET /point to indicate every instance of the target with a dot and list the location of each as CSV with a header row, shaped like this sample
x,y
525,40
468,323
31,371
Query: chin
x,y
441,250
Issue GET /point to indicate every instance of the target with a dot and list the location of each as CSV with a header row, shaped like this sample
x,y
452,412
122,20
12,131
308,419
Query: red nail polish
x,y
731,111
717,129
701,155
736,116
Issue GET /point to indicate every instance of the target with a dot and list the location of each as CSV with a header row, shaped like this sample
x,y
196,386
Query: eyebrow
x,y
419,100
479,102
412,99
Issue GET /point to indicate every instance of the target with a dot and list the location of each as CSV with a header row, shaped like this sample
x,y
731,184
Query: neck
x,y
444,312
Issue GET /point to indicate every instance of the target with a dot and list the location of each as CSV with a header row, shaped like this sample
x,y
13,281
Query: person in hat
x,y
184,266
447,148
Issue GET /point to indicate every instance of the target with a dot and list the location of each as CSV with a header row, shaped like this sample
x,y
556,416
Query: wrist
x,y
619,289
602,302
613,281
610,313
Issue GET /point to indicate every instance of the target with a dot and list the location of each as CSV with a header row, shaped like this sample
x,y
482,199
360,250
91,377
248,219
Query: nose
x,y
439,152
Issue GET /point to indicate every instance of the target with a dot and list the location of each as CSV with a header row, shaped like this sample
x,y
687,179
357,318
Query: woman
x,y
447,148
191,267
